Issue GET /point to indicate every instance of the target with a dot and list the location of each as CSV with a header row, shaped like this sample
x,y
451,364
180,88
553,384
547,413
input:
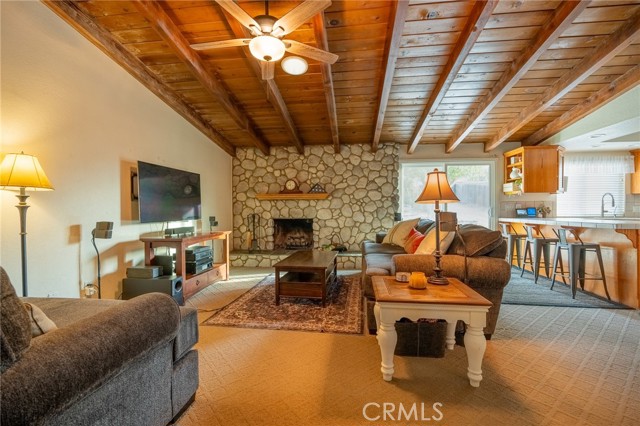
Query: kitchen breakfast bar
x,y
618,239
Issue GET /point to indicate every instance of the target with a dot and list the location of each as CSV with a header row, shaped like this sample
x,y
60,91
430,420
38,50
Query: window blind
x,y
583,196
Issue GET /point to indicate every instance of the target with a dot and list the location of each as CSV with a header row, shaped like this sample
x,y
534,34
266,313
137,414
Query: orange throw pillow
x,y
413,241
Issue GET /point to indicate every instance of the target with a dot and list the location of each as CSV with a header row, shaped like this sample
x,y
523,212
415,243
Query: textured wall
x,y
362,187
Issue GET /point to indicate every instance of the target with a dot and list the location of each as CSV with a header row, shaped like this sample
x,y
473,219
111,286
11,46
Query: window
x,y
589,177
583,196
471,181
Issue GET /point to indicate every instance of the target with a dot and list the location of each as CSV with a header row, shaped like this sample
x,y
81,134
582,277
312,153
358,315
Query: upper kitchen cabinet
x,y
534,169
635,176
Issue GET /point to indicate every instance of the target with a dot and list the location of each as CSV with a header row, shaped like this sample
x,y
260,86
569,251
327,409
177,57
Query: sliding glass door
x,y
472,181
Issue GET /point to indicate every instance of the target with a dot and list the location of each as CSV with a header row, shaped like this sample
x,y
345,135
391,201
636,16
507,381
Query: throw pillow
x,y
399,233
413,241
40,323
424,225
428,244
15,329
478,241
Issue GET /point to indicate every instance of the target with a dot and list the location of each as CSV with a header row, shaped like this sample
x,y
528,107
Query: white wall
x,y
87,120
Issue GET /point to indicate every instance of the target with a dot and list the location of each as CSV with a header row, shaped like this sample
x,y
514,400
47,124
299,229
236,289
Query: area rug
x,y
257,309
523,291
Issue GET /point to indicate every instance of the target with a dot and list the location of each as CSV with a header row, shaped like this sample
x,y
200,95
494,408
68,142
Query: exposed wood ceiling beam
x,y
478,18
562,18
83,23
172,35
608,93
614,44
271,90
327,80
394,38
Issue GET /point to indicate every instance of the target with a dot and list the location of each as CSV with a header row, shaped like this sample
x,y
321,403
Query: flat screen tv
x,y
166,194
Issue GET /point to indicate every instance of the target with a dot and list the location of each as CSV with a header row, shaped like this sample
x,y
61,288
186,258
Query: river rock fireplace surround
x,y
361,187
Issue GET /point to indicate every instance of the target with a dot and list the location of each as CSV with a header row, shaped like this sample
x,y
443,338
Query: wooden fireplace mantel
x,y
309,196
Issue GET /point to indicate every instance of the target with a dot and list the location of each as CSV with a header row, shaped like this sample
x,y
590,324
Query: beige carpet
x,y
544,366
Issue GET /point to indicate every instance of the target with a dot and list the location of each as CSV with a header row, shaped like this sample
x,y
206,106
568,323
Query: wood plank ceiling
x,y
409,72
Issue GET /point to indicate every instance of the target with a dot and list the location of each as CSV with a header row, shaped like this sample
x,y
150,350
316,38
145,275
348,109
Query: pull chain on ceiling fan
x,y
267,44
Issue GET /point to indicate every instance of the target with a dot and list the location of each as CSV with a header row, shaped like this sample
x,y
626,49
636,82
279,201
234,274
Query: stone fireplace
x,y
362,197
293,234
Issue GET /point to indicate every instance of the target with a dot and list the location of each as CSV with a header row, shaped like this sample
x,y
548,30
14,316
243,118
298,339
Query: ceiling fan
x,y
267,44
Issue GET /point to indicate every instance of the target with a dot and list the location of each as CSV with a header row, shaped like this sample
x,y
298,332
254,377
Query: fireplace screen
x,y
293,234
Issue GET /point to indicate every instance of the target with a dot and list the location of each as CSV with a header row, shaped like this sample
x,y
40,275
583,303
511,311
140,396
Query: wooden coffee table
x,y
307,273
453,302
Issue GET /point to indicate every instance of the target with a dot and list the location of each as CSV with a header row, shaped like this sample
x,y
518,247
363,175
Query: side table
x,y
453,302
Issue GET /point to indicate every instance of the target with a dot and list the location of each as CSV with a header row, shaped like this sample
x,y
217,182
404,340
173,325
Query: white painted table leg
x,y
475,344
387,339
451,334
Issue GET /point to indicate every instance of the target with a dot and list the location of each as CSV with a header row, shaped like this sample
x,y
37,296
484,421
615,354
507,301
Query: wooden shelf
x,y
309,196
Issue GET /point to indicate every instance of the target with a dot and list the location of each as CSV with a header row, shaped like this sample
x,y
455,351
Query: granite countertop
x,y
608,222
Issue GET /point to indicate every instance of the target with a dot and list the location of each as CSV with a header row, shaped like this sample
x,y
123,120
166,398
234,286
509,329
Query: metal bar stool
x,y
535,246
514,241
577,252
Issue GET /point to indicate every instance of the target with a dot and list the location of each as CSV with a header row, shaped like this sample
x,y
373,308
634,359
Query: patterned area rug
x,y
523,291
257,309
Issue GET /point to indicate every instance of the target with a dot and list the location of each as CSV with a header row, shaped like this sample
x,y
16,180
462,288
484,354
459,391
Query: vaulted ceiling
x,y
409,72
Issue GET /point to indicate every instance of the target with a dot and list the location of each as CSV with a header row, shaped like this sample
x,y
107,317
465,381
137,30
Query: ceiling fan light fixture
x,y
267,48
294,65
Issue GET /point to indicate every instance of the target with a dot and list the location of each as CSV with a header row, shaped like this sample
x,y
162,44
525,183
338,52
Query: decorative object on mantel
x,y
23,172
317,189
291,186
437,190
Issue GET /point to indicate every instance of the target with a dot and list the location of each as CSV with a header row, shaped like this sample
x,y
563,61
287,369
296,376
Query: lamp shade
x,y
294,65
437,188
266,48
23,171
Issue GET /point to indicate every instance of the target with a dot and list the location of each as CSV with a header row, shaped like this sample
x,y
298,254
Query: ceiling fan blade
x,y
302,49
243,17
298,16
268,69
220,44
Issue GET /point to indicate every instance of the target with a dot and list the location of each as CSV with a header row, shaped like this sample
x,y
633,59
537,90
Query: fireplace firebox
x,y
293,234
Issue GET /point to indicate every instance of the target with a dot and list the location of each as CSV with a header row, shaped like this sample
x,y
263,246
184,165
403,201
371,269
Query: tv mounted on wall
x,y
166,194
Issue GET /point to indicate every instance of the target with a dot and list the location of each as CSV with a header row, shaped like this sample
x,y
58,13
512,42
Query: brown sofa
x,y
487,270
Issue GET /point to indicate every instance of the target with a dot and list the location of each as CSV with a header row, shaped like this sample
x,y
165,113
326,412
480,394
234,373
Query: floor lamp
x,y
23,172
103,230
437,190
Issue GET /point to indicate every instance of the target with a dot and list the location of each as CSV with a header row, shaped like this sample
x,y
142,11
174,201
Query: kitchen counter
x,y
607,222
618,238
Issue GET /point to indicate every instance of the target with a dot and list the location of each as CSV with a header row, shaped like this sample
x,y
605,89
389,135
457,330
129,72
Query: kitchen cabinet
x,y
635,176
541,169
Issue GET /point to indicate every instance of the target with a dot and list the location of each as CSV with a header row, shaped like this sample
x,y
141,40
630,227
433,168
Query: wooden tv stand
x,y
192,283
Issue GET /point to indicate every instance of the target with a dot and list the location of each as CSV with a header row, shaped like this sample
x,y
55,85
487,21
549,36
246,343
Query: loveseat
x,y
108,362
487,270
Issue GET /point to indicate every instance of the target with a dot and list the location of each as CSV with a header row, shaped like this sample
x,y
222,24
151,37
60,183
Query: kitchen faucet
x,y
613,204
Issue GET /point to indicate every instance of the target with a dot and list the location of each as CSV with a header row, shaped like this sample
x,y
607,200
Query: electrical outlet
x,y
53,294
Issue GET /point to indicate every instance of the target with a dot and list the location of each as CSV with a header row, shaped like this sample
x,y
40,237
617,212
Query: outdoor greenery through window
x,y
472,182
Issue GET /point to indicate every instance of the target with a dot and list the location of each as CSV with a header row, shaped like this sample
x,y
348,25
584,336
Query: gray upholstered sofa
x,y
109,362
488,271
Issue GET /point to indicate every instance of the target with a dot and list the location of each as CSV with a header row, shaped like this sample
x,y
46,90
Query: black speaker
x,y
168,284
166,261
